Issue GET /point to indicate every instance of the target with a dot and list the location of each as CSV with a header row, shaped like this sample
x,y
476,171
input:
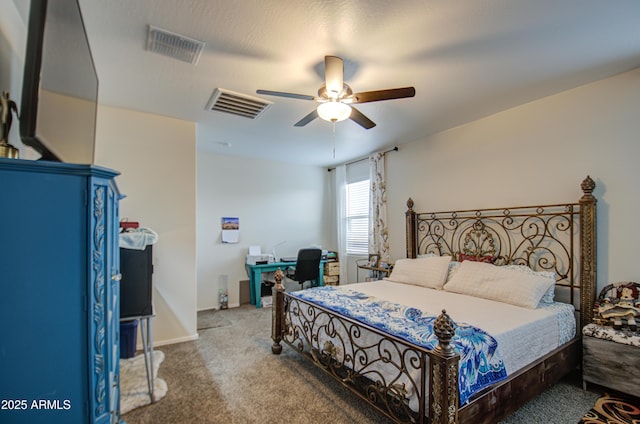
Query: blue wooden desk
x,y
255,277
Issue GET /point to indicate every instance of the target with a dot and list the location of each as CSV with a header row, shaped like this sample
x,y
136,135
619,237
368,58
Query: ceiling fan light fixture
x,y
334,111
335,97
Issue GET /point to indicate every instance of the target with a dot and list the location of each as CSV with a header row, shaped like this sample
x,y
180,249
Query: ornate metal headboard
x,y
559,238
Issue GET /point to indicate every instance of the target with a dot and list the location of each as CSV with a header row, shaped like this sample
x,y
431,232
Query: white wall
x,y
157,160
276,203
537,153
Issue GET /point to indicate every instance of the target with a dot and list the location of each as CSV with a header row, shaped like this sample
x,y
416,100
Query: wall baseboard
x,y
158,343
212,308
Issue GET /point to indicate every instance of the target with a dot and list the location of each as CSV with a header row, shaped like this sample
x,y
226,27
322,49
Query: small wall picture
x,y
230,230
373,261
230,223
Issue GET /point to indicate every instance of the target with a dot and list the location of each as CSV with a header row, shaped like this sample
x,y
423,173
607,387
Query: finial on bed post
x,y
587,251
445,329
587,187
278,276
277,317
443,374
411,230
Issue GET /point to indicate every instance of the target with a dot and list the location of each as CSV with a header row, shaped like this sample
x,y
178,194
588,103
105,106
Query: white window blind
x,y
357,216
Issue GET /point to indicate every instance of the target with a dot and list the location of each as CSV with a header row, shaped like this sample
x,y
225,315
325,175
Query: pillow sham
x,y
549,295
453,265
428,272
498,283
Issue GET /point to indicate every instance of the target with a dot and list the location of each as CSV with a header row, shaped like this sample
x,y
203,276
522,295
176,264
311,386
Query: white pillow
x,y
499,283
549,295
453,265
428,272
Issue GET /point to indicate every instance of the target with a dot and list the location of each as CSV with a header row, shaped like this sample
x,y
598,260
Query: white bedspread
x,y
523,335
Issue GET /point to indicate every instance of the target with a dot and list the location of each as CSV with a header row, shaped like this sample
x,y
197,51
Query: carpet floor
x,y
229,375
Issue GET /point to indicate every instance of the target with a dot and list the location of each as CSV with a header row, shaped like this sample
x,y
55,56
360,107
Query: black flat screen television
x,y
60,84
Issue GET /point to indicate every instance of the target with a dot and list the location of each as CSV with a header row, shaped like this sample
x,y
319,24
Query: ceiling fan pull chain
x,y
334,139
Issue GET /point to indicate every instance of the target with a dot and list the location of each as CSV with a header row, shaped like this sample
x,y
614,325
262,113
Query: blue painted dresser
x,y
59,293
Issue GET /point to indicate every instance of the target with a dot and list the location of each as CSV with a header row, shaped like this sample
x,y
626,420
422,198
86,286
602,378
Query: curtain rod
x,y
395,149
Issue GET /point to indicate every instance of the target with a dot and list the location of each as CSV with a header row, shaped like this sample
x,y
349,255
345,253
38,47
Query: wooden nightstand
x,y
611,358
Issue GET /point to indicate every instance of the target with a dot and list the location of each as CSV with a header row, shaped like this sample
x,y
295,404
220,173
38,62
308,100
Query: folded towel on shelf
x,y
138,239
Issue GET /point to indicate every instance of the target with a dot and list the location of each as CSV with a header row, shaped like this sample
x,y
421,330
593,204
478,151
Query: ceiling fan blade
x,y
304,121
389,94
283,94
360,119
333,75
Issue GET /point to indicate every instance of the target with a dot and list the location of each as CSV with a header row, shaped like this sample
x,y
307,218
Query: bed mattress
x,y
523,335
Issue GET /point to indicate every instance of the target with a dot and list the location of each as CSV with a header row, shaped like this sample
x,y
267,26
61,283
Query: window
x,y
357,216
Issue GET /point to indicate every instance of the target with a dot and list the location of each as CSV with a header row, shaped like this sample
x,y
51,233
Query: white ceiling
x,y
466,58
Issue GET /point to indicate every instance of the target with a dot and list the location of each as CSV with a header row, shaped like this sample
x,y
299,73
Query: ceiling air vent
x,y
174,45
237,104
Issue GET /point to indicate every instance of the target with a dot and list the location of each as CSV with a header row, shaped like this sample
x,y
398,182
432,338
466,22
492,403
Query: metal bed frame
x,y
559,238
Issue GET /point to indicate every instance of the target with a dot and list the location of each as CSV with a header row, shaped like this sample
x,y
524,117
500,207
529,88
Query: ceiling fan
x,y
336,97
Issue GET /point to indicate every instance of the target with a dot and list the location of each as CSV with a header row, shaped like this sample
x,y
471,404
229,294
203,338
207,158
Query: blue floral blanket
x,y
480,362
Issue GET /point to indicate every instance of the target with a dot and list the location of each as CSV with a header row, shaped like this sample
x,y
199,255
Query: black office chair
x,y
307,266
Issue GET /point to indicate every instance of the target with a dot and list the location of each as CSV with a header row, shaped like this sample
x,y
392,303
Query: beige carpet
x,y
134,388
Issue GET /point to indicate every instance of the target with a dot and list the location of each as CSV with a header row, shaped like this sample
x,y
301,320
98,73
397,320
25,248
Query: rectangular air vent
x,y
174,45
237,104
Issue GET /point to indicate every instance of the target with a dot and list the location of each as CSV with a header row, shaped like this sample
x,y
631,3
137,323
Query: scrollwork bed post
x,y
277,319
412,243
443,374
587,251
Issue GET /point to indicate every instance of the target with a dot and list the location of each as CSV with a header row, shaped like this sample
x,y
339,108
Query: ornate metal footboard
x,y
385,371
